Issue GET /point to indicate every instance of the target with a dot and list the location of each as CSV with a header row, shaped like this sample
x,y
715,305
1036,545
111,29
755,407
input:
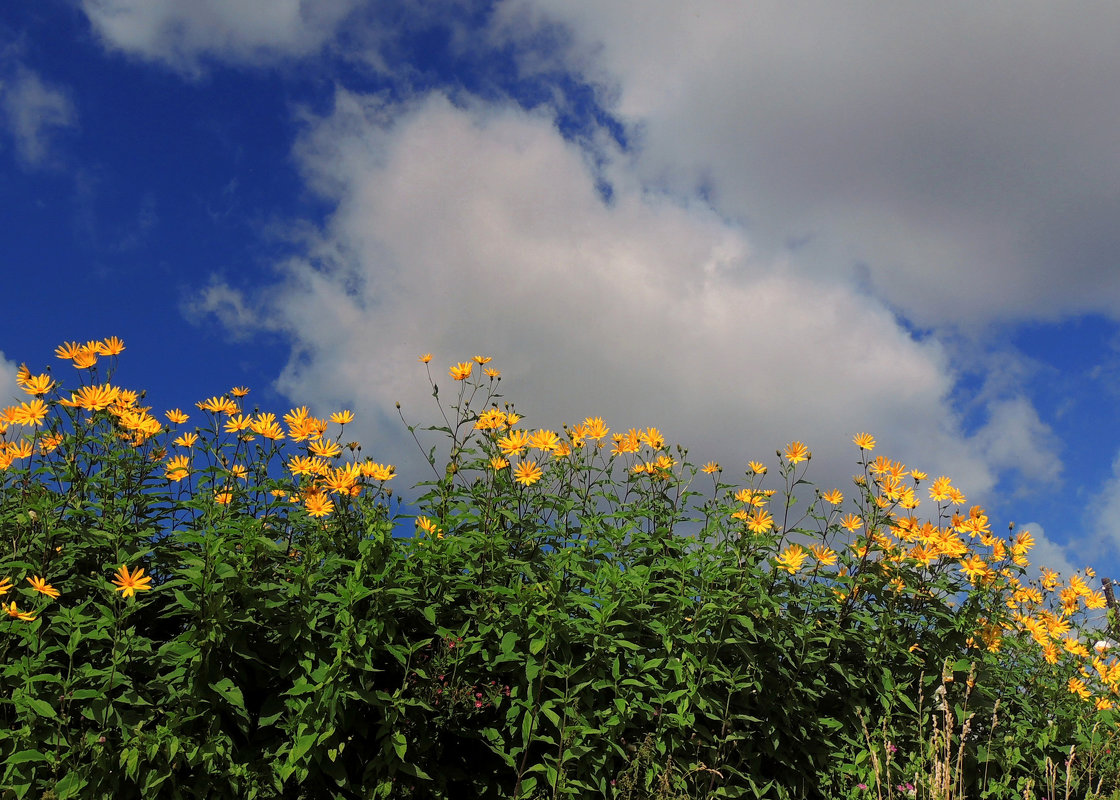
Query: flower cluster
x,y
38,428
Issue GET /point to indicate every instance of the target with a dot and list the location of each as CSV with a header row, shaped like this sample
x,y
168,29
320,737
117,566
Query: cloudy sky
x,y
745,223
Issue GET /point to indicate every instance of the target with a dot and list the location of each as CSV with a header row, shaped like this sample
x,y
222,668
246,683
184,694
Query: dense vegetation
x,y
241,608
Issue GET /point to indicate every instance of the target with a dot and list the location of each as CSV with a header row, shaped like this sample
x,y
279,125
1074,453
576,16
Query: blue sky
x,y
743,223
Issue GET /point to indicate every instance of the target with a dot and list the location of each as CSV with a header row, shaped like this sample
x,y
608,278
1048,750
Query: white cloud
x,y
1014,438
10,392
184,33
1104,515
963,155
224,303
480,230
33,112
1047,553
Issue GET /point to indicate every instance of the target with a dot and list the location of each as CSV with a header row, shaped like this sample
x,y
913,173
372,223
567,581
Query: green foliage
x,y
604,630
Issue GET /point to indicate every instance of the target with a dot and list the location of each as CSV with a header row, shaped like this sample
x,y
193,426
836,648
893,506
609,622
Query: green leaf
x,y
302,745
69,786
39,707
23,756
230,692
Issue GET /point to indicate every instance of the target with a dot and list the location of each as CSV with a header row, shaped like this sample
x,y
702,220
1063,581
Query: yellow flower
x,y
324,448
93,398
267,426
20,450
760,521
489,420
527,473
318,504
340,480
544,440
629,442
710,467
864,441
797,452
1075,647
1078,586
235,423
378,472
596,429
918,475
498,463
176,416
128,584
85,358
824,556
32,413
40,585
1104,704
757,467
177,468
428,526
939,489
68,350
5,585
15,613
480,360
653,438
305,465
223,498
461,371
239,391
513,443
36,384
342,417
218,405
975,568
1077,686
1095,600
851,522
424,359
186,440
492,374
835,497
110,347
792,559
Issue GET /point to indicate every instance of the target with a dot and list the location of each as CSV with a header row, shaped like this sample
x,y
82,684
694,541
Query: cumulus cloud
x,y
1014,438
1104,518
184,33
10,392
33,112
479,229
225,304
961,156
1047,553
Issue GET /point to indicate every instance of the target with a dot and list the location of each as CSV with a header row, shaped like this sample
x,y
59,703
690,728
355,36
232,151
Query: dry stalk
x,y
874,757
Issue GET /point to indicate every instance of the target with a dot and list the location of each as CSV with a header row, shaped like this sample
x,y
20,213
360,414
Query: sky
x,y
743,223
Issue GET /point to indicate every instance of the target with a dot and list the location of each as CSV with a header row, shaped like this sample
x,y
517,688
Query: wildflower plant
x,y
213,602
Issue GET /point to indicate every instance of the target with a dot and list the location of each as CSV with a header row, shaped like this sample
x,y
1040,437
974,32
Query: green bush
x,y
244,609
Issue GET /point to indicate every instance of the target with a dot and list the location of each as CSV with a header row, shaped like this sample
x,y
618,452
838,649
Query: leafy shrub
x,y
244,609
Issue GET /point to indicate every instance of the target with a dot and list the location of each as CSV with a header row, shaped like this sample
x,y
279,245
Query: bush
x,y
244,609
